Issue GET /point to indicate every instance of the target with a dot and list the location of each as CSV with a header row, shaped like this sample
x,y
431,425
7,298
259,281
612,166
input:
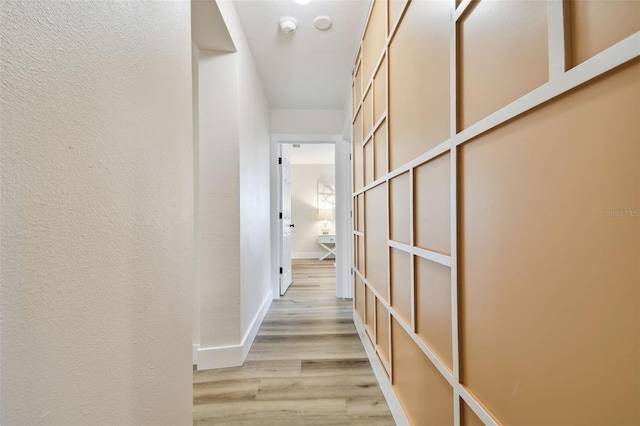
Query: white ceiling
x,y
312,153
307,69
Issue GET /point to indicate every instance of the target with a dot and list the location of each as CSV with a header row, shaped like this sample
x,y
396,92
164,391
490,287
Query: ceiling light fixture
x,y
288,24
302,2
322,23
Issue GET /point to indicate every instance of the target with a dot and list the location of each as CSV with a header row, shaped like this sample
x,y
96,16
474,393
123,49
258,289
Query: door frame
x,y
343,207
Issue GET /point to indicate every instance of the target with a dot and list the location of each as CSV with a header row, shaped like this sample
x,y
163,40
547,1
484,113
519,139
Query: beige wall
x,y
497,198
97,196
304,210
233,205
307,121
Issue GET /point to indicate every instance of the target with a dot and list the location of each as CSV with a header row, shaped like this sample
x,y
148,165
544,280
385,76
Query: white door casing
x,y
343,207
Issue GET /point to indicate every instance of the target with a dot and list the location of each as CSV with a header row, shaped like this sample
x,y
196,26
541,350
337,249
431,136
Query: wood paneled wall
x,y
496,161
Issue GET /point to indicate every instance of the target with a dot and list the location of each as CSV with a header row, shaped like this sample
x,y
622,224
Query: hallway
x,y
306,366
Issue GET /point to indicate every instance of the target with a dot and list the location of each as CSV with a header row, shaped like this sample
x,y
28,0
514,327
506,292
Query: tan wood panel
x,y
359,297
419,81
549,260
354,103
424,393
356,147
468,417
382,331
433,307
386,373
368,163
356,263
367,114
503,55
370,301
376,249
361,213
432,204
399,206
395,8
374,39
380,148
357,89
401,284
361,254
355,213
596,25
380,91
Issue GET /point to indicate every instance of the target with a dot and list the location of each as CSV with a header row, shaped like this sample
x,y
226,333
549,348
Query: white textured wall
x,y
307,121
255,203
344,237
195,105
97,187
234,200
219,201
304,210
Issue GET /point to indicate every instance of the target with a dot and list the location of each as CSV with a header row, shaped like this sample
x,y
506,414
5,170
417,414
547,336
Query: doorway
x,y
320,226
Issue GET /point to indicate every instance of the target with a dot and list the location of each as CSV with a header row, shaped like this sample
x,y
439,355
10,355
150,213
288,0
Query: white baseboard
x,y
250,335
234,355
392,400
219,357
309,255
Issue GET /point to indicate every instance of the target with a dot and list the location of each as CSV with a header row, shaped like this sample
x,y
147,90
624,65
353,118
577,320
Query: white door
x,y
285,223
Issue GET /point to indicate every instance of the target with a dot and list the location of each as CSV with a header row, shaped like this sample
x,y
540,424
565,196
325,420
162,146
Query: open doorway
x,y
313,201
308,203
313,170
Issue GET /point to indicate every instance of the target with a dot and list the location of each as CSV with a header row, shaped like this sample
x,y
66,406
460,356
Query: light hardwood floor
x,y
307,365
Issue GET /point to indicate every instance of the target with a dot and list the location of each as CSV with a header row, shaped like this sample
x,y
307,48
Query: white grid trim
x,y
560,81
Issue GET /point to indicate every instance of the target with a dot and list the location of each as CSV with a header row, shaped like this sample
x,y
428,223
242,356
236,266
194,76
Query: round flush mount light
x,y
322,23
288,24
303,2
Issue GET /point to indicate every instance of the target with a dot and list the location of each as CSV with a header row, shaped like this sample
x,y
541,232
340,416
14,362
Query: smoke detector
x,y
288,24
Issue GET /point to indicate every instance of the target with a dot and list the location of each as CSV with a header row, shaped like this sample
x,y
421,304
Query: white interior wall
x,y
235,206
97,206
255,203
219,204
344,235
195,105
307,121
304,209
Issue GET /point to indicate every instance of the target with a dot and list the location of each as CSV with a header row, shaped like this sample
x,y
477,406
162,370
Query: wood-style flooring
x,y
307,365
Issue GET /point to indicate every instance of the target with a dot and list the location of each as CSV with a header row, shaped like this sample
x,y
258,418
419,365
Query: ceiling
x,y
312,153
307,69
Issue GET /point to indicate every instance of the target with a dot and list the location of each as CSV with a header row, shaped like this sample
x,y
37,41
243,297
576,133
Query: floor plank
x,y
325,387
314,412
307,365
